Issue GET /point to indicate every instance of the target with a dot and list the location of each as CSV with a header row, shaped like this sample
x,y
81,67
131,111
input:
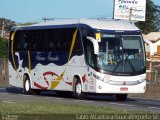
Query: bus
x,y
81,56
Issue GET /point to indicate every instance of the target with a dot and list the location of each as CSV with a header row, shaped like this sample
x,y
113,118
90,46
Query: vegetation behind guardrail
x,y
4,81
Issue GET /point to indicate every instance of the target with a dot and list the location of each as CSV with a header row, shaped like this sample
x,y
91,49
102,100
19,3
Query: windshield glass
x,y
121,53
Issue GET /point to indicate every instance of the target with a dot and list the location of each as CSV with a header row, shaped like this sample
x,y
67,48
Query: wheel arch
x,y
75,78
27,75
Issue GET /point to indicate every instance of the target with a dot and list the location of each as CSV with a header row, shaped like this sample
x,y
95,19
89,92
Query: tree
x,y
152,23
7,23
27,23
3,48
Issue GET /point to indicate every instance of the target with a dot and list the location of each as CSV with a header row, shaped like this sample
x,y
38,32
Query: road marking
x,y
89,101
8,102
58,98
80,100
5,93
23,95
154,108
84,101
121,104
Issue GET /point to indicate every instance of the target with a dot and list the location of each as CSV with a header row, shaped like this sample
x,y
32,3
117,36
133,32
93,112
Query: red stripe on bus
x,y
39,86
69,83
45,79
50,73
84,78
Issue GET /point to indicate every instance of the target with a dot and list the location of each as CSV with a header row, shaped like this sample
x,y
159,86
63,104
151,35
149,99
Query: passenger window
x,y
19,41
78,45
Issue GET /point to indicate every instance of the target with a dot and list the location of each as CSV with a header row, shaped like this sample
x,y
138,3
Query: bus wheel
x,y
78,90
27,86
121,97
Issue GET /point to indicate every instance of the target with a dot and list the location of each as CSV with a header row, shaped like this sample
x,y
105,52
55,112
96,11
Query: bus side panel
x,y
76,67
50,77
12,75
58,77
11,68
91,80
17,68
50,71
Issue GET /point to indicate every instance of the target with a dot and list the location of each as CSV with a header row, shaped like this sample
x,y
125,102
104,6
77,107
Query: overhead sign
x,y
130,10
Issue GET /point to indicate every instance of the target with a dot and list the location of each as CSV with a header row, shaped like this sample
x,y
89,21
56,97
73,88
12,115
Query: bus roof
x,y
101,24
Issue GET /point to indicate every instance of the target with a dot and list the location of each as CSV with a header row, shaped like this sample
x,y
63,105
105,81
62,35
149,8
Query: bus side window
x,y
28,41
69,36
19,41
78,46
50,43
59,41
64,39
25,42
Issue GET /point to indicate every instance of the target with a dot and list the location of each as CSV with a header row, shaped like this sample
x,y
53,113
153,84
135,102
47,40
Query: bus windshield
x,y
121,53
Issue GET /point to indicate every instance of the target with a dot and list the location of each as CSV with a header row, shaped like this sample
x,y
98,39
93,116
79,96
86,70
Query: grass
x,y
43,110
51,108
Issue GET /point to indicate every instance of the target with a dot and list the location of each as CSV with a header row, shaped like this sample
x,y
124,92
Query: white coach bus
x,y
81,56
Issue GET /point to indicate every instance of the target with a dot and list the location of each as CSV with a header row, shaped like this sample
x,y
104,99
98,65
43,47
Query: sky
x,y
34,10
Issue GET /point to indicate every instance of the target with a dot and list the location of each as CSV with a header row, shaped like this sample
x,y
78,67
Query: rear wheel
x,y
78,90
121,97
27,86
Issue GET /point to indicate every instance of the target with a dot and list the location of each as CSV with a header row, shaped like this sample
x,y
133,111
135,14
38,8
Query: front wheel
x,y
121,97
78,90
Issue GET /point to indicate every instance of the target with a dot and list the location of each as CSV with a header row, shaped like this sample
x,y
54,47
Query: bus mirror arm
x,y
95,44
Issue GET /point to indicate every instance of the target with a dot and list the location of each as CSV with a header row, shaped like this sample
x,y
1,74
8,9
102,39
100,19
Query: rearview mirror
x,y
95,44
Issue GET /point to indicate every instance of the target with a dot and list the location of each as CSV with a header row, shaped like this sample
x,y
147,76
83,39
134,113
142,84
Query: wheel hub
x,y
27,85
78,89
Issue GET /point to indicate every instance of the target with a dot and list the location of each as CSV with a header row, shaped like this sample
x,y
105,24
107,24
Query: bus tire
x,y
27,86
121,97
78,90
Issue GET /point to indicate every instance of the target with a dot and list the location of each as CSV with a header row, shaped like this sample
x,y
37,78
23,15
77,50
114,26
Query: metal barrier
x,y
153,71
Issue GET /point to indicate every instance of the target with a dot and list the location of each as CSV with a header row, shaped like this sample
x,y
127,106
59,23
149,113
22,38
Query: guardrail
x,y
153,70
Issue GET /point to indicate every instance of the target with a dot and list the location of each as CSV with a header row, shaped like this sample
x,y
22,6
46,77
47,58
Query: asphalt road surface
x,y
11,94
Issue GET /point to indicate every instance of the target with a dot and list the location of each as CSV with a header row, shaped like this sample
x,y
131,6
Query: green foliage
x,y
152,23
7,23
59,108
27,23
3,48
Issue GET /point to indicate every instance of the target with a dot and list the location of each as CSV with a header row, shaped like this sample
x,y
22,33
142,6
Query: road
x,y
11,94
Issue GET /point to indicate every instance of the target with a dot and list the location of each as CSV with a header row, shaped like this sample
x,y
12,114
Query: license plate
x,y
123,89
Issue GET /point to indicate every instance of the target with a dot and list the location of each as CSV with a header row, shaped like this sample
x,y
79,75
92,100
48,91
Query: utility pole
x,y
2,30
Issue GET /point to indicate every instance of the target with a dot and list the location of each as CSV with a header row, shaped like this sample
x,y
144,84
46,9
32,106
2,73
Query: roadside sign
x,y
130,10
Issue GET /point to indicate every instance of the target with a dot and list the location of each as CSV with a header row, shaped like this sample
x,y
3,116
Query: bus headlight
x,y
103,79
141,80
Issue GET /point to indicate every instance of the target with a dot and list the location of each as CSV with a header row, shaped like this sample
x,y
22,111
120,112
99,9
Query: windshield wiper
x,y
130,63
123,61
